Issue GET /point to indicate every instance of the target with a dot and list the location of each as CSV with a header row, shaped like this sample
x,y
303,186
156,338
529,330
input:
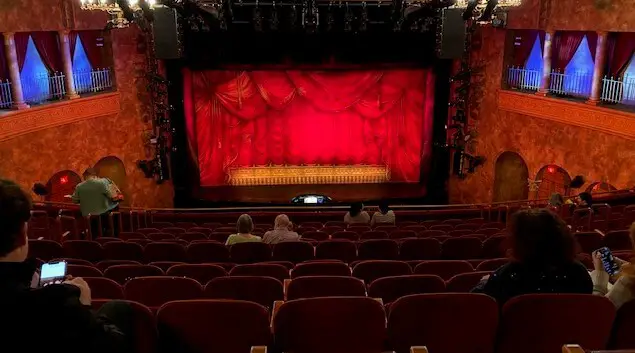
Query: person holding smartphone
x,y
39,315
622,274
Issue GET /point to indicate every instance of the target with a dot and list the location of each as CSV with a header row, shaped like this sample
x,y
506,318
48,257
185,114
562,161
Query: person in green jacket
x,y
244,227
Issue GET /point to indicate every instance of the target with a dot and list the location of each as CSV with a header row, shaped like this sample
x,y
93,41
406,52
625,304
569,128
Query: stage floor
x,y
284,193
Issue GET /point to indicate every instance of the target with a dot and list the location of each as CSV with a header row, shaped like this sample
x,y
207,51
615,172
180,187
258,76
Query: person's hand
x,y
84,289
597,261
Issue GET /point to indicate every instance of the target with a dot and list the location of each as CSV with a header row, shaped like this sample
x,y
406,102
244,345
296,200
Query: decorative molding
x,y
17,123
610,121
312,174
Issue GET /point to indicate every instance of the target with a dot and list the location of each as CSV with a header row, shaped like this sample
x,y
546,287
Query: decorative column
x,y
67,62
546,63
598,69
14,71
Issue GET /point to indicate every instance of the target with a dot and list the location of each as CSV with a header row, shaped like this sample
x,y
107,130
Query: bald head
x,y
282,222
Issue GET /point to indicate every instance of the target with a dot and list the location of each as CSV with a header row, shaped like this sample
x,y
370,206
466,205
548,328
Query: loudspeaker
x,y
167,43
452,34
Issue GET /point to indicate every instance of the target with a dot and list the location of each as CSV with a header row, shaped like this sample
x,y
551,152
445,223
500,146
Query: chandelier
x,y
119,17
483,3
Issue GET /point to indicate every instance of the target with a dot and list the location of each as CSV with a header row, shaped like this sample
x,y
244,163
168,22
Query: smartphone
x,y
52,273
608,261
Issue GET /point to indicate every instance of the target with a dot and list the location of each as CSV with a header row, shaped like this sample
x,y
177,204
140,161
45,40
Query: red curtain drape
x,y
93,42
621,47
592,41
48,46
565,45
524,41
21,42
247,118
72,41
4,69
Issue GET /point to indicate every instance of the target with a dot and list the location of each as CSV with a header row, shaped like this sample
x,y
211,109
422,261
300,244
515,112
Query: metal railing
x,y
524,79
41,88
618,90
6,99
92,81
571,84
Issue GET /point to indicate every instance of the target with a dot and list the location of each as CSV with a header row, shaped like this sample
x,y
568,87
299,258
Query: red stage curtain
x,y
565,45
72,41
21,42
48,46
592,41
247,118
621,47
93,42
4,68
523,44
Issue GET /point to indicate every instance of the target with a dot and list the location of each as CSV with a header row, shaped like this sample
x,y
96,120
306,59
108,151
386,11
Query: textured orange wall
x,y
37,156
47,15
596,155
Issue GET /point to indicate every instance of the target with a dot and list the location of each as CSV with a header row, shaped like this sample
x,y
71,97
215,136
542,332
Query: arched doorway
x,y
60,184
552,179
510,180
113,168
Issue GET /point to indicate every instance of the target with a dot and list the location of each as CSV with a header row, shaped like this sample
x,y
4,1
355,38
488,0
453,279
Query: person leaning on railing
x,y
623,289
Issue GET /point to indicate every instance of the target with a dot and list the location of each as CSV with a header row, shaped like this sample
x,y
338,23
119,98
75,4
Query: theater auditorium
x,y
316,176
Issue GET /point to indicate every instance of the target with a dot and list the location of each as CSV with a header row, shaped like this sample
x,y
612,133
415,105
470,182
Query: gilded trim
x,y
21,122
610,121
316,174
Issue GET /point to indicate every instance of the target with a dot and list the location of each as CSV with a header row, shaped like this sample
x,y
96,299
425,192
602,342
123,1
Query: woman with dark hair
x,y
543,259
384,216
357,215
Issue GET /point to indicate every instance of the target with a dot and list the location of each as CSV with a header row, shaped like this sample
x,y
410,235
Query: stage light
x,y
64,180
486,16
469,10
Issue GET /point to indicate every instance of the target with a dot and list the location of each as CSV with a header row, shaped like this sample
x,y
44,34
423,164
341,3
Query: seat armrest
x,y
418,349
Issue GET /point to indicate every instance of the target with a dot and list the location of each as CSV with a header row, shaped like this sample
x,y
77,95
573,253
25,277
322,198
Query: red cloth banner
x,y
360,117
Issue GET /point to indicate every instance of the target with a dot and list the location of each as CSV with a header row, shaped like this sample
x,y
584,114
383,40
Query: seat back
x,y
368,271
618,240
213,326
245,253
261,290
202,273
461,248
343,234
390,289
206,252
588,241
335,325
123,251
343,250
315,235
420,249
325,286
446,323
122,273
156,291
334,268
445,269
164,251
45,250
293,251
104,288
142,323
492,264
545,322
83,271
378,249
276,271
465,282
623,327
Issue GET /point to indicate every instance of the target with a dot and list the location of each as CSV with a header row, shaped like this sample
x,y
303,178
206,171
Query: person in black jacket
x,y
543,251
55,318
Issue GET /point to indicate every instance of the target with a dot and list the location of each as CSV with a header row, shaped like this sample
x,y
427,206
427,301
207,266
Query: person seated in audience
x,y
543,259
556,200
244,227
384,216
37,317
282,231
357,215
623,290
585,199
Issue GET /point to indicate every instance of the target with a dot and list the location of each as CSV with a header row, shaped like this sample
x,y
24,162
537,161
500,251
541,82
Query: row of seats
x,y
295,251
442,322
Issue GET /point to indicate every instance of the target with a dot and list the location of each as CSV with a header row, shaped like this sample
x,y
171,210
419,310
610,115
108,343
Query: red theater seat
x,y
45,250
165,265
445,323
174,230
386,228
344,250
390,289
71,261
160,236
83,249
123,251
162,251
83,271
213,326
347,235
402,234
146,231
443,227
445,269
315,235
104,288
278,272
207,251
420,249
618,240
325,286
368,271
104,240
293,251
156,291
431,233
192,236
261,290
623,328
465,282
122,273
103,265
373,235
245,253
492,264
334,325
588,241
334,268
545,322
379,249
203,273
206,231
143,325
495,247
461,248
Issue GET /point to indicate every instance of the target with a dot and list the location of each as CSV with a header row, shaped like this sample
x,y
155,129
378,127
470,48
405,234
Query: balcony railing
x,y
571,84
523,79
42,88
5,94
619,90
92,81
